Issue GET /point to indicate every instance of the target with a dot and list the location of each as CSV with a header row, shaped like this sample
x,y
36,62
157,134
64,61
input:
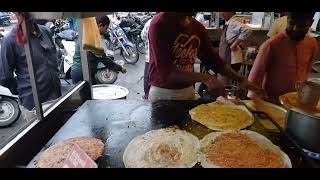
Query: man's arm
x,y
145,30
240,29
259,68
211,59
109,63
177,76
7,63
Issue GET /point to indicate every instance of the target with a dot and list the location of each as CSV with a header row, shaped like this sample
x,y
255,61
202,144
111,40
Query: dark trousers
x,y
146,79
77,76
76,73
236,67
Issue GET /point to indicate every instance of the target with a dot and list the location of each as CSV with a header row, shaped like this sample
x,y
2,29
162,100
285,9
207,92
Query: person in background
x,y
285,58
13,60
200,18
144,37
76,68
233,35
279,25
176,40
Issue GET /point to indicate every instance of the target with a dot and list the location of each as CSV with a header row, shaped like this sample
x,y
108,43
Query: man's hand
x,y
235,44
233,47
215,87
123,70
245,84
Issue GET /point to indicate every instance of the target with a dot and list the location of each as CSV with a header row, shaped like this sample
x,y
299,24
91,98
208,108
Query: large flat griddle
x,y
117,122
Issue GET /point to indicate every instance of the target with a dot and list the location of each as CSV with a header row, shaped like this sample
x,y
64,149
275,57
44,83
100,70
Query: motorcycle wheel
x,y
9,111
106,76
133,56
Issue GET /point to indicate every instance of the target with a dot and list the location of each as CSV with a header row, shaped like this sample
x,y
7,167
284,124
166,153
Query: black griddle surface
x,y
117,122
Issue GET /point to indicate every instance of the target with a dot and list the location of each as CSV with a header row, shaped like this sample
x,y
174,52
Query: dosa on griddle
x,y
54,156
222,117
162,148
241,149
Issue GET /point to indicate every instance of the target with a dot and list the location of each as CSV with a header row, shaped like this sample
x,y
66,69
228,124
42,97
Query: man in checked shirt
x,y
233,35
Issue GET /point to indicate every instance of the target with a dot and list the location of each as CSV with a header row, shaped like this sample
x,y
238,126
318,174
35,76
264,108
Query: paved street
x,y
132,80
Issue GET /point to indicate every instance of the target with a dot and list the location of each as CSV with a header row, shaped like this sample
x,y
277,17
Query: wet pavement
x,y
133,79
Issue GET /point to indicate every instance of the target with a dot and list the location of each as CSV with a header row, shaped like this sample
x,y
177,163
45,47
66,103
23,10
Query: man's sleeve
x,y
259,68
245,31
7,65
160,50
208,55
144,32
109,63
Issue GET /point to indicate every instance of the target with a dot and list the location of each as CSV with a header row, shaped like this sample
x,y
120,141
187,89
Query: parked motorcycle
x,y
4,19
117,39
66,59
9,107
103,74
132,28
134,35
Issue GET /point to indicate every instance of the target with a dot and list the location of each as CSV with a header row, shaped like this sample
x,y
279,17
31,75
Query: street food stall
x,y
118,124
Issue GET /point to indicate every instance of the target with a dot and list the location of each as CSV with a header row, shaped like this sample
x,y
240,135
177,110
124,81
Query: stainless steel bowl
x,y
316,66
304,128
109,91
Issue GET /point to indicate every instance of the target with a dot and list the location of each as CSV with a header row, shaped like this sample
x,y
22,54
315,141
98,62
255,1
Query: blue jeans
x,y
76,76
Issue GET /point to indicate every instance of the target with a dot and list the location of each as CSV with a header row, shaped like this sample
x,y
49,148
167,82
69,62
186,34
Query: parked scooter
x,y
66,59
64,39
103,74
9,107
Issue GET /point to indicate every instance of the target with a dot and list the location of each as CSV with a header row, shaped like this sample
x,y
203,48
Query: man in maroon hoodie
x,y
176,40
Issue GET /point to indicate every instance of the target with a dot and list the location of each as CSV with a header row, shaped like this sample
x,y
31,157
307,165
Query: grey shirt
x,y
236,29
13,59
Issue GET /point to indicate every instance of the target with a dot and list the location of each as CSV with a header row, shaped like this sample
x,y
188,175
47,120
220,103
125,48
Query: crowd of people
x,y
285,58
174,41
